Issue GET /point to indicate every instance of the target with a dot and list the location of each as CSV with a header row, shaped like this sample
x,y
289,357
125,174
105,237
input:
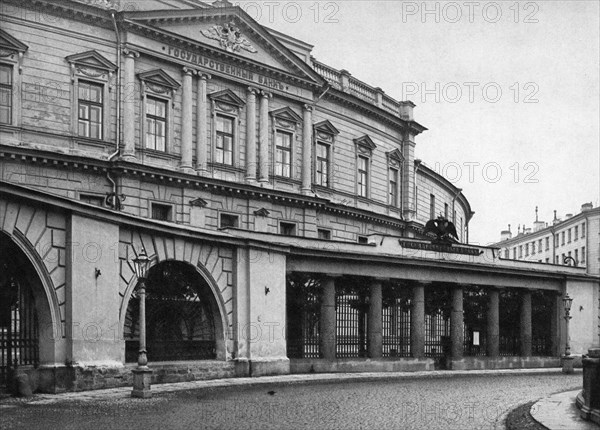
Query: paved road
x,y
449,402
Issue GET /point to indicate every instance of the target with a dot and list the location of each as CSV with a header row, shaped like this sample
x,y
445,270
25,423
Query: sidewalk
x,y
558,412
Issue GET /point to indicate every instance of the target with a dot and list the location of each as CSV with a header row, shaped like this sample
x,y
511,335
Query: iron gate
x,y
19,330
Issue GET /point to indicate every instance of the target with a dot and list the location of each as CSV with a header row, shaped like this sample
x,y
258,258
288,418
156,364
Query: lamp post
x,y
567,360
142,375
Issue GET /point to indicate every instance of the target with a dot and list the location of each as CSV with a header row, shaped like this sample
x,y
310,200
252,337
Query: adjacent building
x,y
279,200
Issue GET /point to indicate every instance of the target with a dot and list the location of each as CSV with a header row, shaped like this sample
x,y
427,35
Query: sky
x,y
508,90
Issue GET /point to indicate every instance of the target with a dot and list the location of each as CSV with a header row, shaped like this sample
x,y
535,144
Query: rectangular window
x,y
583,230
446,210
515,253
540,245
506,254
322,164
532,248
431,206
287,228
569,236
547,260
556,239
393,187
224,145
283,154
324,234
161,212
576,233
562,238
363,176
156,124
526,250
556,259
92,199
363,240
562,259
6,92
229,220
583,254
577,256
547,243
90,109
520,251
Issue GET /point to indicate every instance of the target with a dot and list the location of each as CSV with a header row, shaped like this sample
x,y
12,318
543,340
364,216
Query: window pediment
x,y
365,144
159,81
227,97
287,115
199,203
9,44
327,128
262,212
395,157
92,59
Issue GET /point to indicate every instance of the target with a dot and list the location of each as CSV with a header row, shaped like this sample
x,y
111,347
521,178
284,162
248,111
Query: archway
x,y
182,316
21,300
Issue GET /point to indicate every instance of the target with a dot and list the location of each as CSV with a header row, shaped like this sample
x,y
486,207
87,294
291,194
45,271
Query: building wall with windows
x,y
237,162
576,236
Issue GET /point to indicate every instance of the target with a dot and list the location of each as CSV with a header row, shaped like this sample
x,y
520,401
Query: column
x,y
129,98
526,323
375,323
264,137
201,124
251,135
307,150
456,323
327,319
186,120
493,323
417,321
555,321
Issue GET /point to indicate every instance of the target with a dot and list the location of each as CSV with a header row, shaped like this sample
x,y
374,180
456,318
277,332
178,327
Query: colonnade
x,y
417,321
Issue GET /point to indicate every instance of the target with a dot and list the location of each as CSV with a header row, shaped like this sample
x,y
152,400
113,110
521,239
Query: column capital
x,y
266,94
189,71
308,107
130,53
203,75
253,90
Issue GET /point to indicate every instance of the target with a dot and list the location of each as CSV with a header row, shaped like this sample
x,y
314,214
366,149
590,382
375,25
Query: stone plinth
x,y
567,362
142,378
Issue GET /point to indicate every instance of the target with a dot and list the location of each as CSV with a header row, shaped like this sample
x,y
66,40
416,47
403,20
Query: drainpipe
x,y
115,202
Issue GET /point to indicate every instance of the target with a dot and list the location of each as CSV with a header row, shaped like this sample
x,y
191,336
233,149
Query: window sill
x,y
227,167
286,180
159,154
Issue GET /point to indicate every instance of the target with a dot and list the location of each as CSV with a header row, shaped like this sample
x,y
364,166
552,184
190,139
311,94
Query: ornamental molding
x,y
286,115
228,98
229,37
395,158
365,144
262,212
10,43
327,128
199,203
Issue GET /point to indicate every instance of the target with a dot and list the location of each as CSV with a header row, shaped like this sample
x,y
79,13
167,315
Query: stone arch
x,y
40,235
212,263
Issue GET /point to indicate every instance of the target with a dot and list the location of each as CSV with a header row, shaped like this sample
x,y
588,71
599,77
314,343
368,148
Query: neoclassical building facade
x,y
279,200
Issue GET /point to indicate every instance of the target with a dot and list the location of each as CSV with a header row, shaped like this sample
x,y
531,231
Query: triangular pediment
x,y
92,59
159,77
286,114
326,127
230,32
395,155
366,142
227,96
8,42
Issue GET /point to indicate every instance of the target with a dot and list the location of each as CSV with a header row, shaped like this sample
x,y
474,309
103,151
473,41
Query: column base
x,y
142,378
566,362
129,157
187,169
307,191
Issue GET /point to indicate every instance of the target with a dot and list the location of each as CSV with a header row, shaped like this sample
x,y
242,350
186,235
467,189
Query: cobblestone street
x,y
441,402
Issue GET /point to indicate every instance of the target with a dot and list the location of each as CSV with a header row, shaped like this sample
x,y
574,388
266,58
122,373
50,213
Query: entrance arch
x,y
25,315
183,317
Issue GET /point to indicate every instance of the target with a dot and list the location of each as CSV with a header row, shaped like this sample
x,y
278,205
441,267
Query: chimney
x,y
506,234
587,206
555,220
406,110
526,230
567,216
538,225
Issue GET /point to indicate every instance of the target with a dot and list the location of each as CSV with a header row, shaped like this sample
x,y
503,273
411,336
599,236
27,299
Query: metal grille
x,y
18,328
475,321
351,321
179,320
303,313
396,321
510,340
437,334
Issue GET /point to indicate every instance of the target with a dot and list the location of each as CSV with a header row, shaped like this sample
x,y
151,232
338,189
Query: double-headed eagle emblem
x,y
229,37
443,229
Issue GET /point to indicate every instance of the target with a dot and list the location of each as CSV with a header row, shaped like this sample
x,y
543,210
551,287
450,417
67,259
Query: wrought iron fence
x,y
303,313
396,320
437,334
351,323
